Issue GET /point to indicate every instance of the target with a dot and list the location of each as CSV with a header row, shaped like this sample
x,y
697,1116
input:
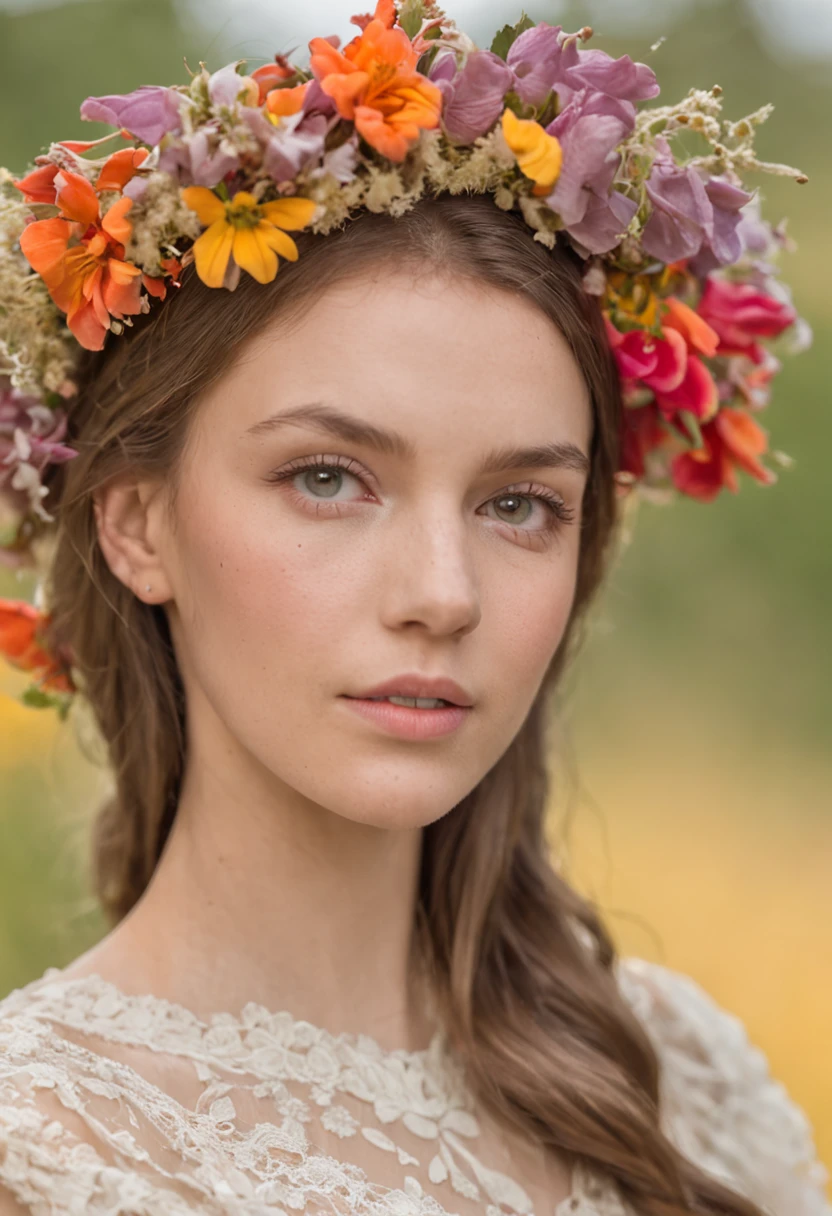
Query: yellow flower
x,y
250,232
538,154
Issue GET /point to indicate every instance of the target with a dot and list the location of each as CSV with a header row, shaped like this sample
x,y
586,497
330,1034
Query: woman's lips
x,y
407,721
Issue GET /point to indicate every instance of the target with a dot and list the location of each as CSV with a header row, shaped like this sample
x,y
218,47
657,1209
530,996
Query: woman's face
x,y
350,511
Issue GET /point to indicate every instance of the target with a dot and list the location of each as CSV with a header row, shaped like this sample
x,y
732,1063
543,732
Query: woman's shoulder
x,y
721,1104
35,1067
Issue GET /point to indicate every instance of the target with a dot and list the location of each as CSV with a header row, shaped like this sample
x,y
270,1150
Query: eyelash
x,y
559,512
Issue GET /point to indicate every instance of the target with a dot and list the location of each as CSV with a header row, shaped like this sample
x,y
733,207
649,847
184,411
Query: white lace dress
x,y
114,1104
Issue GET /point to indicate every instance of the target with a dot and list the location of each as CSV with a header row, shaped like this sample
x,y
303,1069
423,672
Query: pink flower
x,y
473,97
671,366
31,437
148,113
741,315
690,214
589,130
543,57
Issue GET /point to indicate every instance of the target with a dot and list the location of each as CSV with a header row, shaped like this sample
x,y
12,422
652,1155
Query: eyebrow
x,y
555,455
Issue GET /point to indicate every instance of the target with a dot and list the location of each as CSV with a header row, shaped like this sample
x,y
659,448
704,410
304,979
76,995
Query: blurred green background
x,y
694,771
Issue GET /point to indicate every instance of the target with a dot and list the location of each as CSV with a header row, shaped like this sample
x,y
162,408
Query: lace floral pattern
x,y
112,1103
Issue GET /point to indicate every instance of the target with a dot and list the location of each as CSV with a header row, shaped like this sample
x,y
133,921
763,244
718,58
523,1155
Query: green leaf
x,y
36,698
691,423
508,35
411,17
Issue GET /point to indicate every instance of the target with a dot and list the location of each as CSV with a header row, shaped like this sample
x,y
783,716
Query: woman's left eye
x,y
554,506
327,478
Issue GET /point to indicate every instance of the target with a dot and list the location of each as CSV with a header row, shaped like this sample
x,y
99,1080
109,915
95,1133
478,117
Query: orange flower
x,y
694,329
119,168
270,75
39,185
80,256
21,626
285,101
731,440
373,82
385,13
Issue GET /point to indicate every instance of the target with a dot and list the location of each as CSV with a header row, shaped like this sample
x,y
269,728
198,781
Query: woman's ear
x,y
130,517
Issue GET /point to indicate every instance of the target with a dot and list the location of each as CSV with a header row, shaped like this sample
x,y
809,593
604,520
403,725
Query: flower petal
x,y
86,327
205,203
345,90
119,168
281,102
122,289
44,245
538,153
39,185
290,213
115,222
212,251
76,197
694,329
253,254
148,113
280,241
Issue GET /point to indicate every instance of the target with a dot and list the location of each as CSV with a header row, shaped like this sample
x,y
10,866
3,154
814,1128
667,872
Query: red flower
x,y
641,433
730,441
740,314
671,365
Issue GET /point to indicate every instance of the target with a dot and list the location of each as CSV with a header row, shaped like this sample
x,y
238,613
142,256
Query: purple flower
x,y
149,113
682,216
726,244
200,159
543,58
226,85
292,144
473,98
604,223
535,59
589,131
316,101
30,439
757,235
619,78
691,216
341,161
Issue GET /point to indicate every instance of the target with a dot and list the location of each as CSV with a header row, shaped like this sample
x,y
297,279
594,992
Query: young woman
x,y
324,553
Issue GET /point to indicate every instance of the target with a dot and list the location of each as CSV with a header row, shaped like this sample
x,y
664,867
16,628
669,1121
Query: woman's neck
x,y
281,902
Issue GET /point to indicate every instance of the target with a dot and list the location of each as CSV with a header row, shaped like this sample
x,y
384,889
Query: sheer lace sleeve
x,y
723,1108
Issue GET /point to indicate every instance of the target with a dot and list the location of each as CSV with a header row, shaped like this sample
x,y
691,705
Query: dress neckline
x,y
111,999
102,1007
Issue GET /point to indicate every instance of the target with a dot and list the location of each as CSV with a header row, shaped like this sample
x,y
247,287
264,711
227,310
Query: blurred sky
x,y
794,26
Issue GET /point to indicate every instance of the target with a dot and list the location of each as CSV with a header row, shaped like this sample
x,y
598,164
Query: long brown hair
x,y
523,966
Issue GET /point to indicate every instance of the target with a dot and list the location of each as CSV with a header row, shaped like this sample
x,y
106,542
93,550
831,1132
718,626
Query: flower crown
x,y
220,171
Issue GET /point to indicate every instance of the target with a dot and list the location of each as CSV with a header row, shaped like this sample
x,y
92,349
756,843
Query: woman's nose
x,y
431,578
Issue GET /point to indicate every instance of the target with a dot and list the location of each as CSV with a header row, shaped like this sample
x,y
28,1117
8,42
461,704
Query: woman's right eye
x,y
326,481
317,480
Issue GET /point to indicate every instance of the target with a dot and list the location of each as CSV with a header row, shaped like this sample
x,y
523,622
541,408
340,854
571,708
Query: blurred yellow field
x,y
715,880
